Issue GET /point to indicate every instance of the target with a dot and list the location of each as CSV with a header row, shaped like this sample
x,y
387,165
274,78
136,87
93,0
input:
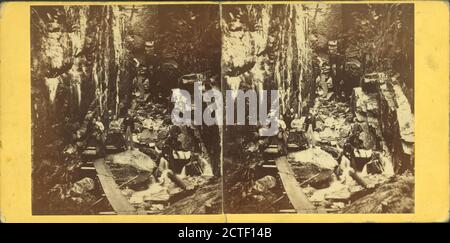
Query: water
x,y
52,85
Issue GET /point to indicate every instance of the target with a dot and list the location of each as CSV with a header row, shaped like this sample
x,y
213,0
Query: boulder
x,y
394,196
344,131
141,182
134,158
155,192
369,82
314,156
328,134
312,175
151,151
265,183
70,149
152,124
186,140
82,186
146,136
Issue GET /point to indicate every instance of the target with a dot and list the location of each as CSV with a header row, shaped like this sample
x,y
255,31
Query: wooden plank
x,y
107,213
295,194
271,151
110,147
287,211
292,145
118,202
89,152
269,166
87,168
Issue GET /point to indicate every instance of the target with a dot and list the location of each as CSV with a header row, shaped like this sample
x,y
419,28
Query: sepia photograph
x,y
187,109
344,74
103,141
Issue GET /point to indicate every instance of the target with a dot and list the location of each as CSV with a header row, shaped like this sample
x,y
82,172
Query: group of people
x,y
291,123
287,124
108,129
346,159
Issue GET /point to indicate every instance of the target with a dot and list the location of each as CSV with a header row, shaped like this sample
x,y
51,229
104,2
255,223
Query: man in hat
x,y
152,64
151,59
140,80
107,116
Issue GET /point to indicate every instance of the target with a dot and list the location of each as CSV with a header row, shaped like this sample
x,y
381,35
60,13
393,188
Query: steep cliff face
x,y
266,47
76,55
190,37
383,37
76,58
325,24
87,60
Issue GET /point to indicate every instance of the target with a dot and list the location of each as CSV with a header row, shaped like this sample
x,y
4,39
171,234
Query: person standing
x,y
99,134
152,64
128,123
310,127
282,137
107,116
289,117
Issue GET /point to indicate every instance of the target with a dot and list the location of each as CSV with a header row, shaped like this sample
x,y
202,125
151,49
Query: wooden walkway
x,y
118,202
293,190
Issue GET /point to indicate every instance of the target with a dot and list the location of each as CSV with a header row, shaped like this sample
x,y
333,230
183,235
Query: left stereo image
x,y
102,82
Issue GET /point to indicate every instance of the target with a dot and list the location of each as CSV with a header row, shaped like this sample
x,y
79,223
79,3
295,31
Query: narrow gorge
x,y
347,71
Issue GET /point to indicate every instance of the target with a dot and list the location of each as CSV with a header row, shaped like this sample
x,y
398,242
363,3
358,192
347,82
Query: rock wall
x,y
76,58
76,54
395,196
382,35
326,25
266,47
190,36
